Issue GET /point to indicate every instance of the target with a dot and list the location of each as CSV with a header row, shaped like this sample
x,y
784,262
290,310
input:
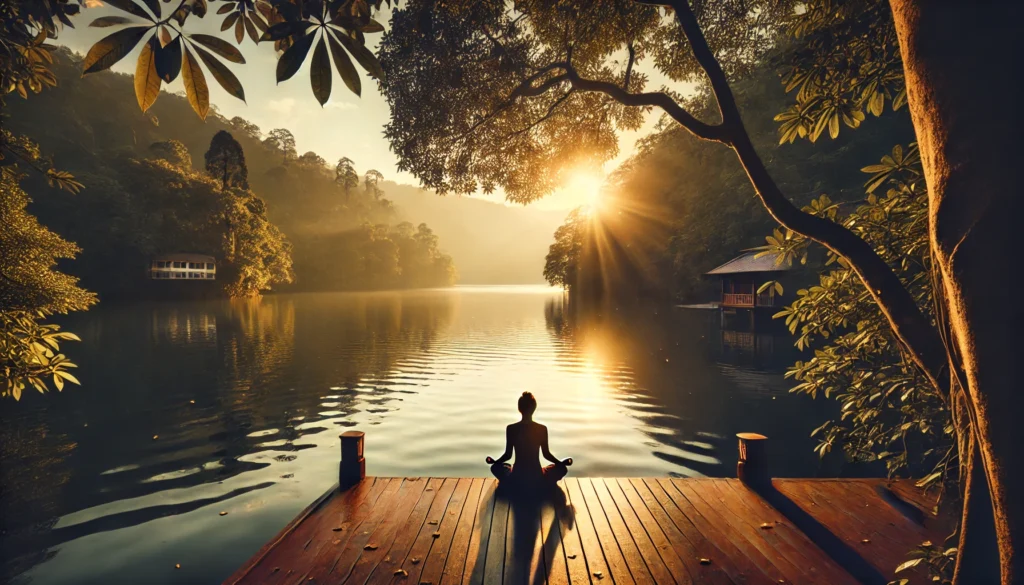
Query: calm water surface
x,y
192,409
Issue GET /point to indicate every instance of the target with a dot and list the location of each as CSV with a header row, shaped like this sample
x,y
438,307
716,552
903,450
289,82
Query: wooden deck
x,y
602,530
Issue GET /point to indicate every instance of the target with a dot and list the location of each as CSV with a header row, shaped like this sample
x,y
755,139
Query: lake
x,y
191,409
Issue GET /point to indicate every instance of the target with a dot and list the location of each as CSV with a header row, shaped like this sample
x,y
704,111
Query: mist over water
x,y
195,408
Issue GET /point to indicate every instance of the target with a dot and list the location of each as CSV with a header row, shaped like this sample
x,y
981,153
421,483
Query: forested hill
x,y
91,125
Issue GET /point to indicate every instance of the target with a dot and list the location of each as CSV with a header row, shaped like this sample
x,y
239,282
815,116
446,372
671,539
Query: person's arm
x,y
547,452
508,448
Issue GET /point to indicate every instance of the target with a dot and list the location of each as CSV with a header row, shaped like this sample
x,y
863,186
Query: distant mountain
x,y
491,243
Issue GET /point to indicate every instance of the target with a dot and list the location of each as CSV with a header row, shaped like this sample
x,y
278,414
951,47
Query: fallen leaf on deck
x,y
415,561
436,535
401,572
705,561
177,566
337,529
432,522
572,556
599,574
766,526
155,437
370,547
223,513
866,541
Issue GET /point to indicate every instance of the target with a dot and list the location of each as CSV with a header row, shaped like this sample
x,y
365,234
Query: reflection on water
x,y
193,409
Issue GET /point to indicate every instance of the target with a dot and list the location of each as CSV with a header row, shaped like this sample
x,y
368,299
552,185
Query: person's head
x,y
527,404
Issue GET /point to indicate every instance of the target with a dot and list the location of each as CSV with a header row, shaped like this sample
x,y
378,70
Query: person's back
x,y
527,440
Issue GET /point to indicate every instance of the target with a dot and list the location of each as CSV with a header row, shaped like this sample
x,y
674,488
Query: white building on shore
x,y
183,267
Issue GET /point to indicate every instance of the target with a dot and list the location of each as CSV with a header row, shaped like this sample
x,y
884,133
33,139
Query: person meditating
x,y
526,438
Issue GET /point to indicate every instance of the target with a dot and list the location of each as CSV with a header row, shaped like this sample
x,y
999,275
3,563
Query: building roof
x,y
184,258
747,262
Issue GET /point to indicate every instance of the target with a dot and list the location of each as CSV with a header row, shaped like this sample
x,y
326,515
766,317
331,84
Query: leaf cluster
x,y
888,410
846,63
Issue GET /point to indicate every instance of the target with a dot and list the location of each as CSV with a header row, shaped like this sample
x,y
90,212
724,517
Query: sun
x,y
585,188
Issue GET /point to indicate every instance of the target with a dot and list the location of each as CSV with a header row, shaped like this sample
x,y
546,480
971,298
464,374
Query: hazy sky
x,y
347,125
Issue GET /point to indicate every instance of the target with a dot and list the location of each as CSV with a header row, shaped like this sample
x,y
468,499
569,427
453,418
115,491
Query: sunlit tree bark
x,y
963,67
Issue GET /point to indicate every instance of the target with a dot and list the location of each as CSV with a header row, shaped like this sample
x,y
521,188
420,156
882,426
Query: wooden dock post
x,y
353,464
752,468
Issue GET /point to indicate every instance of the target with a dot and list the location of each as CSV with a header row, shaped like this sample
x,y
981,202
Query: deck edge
x,y
254,560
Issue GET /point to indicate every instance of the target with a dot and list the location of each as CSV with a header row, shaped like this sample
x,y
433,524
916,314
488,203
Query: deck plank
x,y
433,564
414,560
752,544
687,543
735,561
789,542
494,560
641,522
590,542
604,541
630,542
477,552
551,539
455,565
575,560
292,554
372,570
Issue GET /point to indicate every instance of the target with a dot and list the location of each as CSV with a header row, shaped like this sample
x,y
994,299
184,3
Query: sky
x,y
347,125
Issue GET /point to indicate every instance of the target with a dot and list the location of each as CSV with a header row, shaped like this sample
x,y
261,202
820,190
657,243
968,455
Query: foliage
x,y
846,64
889,411
939,561
564,256
29,354
31,290
486,96
173,152
225,162
170,50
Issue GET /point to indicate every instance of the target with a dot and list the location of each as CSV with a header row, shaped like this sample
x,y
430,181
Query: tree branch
x,y
662,100
629,66
908,323
546,116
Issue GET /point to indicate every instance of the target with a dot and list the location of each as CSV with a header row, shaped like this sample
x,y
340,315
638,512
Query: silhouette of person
x,y
527,439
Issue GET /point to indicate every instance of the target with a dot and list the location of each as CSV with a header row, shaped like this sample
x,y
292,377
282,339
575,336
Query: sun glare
x,y
585,187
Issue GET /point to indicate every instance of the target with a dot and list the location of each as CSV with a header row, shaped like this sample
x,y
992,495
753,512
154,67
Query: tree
x,y
561,266
282,140
371,183
30,290
225,162
173,152
560,95
312,160
345,175
248,128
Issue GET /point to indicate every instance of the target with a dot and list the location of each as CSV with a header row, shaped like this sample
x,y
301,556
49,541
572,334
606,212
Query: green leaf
x,y
168,61
112,48
147,80
363,56
58,382
320,75
222,74
292,59
226,8
196,90
344,65
778,287
130,7
219,46
105,21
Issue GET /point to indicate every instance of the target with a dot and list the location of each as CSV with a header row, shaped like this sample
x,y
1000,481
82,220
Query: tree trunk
x,y
963,64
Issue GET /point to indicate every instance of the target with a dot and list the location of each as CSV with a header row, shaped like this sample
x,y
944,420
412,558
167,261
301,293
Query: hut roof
x,y
748,262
